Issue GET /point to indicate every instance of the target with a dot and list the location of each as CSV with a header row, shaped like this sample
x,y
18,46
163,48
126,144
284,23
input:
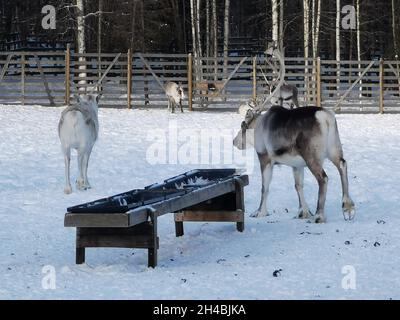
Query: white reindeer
x,y
78,129
174,94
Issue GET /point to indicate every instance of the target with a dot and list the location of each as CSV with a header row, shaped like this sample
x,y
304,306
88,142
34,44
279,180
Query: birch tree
x,y
275,21
81,30
306,36
358,35
198,33
394,28
226,35
281,25
316,20
207,28
338,11
81,38
215,37
193,25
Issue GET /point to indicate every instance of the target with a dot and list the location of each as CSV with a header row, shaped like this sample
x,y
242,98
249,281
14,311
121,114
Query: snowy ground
x,y
211,261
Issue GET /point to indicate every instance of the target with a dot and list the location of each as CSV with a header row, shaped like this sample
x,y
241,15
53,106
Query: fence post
x,y
67,74
129,78
381,86
318,78
190,81
254,79
23,78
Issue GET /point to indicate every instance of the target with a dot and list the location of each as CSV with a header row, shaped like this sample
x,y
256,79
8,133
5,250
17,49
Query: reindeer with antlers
x,y
286,93
302,137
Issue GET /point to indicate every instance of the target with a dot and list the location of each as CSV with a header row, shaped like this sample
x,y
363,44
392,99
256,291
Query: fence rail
x,y
137,80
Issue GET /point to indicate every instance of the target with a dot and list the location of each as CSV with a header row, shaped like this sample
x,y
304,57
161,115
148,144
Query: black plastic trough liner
x,y
170,188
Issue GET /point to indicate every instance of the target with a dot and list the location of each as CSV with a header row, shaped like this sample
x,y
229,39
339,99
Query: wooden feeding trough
x,y
129,219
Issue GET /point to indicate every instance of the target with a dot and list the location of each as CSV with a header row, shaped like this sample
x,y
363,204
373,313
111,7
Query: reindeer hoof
x,y
304,214
320,219
259,214
68,190
349,210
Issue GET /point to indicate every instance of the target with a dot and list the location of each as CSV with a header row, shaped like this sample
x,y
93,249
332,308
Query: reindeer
x,y
78,129
285,92
299,138
175,95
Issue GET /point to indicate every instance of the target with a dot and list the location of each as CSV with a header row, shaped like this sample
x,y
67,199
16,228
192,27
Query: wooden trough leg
x,y
80,251
240,203
178,228
152,251
80,255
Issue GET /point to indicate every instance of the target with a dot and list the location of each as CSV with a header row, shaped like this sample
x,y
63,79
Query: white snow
x,y
212,260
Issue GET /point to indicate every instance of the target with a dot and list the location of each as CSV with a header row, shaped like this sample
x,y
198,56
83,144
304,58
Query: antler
x,y
274,51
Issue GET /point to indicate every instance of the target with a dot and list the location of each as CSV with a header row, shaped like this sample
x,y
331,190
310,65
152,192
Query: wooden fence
x,y
137,80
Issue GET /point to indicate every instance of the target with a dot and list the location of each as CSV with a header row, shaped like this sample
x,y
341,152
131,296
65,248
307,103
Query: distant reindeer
x,y
175,95
78,129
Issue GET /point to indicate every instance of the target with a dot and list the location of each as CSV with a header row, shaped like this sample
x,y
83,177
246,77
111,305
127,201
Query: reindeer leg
x,y
304,211
85,164
319,174
67,160
180,104
266,176
80,180
347,204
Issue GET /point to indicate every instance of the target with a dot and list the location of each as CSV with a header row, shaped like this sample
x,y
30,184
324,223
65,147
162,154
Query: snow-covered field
x,y
212,260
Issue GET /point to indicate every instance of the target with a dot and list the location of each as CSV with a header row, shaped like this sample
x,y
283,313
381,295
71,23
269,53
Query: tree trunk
x,y
133,23
281,26
215,37
338,11
315,23
306,27
226,39
226,36
394,29
207,28
275,35
359,43
199,47
81,39
81,42
193,20
316,26
99,34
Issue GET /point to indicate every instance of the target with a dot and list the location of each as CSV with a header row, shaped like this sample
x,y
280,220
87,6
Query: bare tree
x,y
226,35
306,35
193,20
316,20
394,28
337,37
198,33
281,25
207,28
275,21
215,37
81,29
358,42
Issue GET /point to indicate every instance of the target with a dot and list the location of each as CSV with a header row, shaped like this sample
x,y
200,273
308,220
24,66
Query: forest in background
x,y
304,28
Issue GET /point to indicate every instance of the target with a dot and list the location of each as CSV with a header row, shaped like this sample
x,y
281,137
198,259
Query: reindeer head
x,y
180,91
245,137
89,100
